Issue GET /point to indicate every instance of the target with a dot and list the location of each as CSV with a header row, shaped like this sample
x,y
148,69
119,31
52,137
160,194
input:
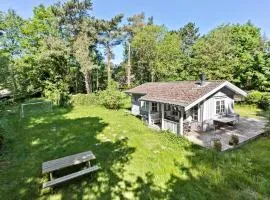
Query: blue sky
x,y
206,14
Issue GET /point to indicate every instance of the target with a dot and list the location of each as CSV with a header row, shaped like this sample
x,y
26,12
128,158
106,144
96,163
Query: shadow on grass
x,y
232,175
52,136
208,175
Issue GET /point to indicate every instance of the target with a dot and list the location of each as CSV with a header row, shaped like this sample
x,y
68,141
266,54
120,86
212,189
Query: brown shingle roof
x,y
180,93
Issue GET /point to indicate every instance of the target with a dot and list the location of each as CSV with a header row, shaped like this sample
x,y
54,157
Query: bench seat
x,y
70,176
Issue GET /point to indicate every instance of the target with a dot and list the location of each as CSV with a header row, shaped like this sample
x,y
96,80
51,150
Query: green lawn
x,y
136,162
251,111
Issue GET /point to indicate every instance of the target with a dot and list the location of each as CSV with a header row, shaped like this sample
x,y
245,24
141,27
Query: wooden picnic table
x,y
225,120
57,164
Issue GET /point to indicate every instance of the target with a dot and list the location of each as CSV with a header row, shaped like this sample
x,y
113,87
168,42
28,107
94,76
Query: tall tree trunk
x,y
97,80
88,83
128,66
152,77
14,84
109,64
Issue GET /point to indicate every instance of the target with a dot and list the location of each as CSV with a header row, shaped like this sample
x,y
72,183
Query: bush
x,y
1,137
1,141
112,98
58,93
84,99
254,97
234,140
217,145
264,102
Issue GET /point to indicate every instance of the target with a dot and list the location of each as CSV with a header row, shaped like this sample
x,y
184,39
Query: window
x,y
174,112
154,107
220,107
144,105
194,113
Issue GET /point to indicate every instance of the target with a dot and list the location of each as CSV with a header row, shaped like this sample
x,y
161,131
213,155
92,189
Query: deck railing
x,y
171,126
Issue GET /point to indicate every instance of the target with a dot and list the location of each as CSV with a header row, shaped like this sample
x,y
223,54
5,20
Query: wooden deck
x,y
246,129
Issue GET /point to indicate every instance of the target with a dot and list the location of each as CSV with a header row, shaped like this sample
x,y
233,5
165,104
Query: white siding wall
x,y
136,104
136,107
209,107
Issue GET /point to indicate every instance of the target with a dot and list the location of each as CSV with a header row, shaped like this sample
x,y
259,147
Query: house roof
x,y
182,93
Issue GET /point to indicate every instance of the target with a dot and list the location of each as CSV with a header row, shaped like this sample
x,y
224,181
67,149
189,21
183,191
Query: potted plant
x,y
234,140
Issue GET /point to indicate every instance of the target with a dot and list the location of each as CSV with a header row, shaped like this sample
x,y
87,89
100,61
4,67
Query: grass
x,y
251,111
136,162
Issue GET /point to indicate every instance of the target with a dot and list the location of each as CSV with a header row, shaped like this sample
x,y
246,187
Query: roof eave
x,y
162,101
226,83
129,92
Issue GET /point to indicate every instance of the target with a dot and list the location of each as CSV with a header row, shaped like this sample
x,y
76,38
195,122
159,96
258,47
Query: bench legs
x,y
51,176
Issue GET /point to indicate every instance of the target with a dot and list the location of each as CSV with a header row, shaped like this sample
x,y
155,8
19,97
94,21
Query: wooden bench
x,y
69,177
57,164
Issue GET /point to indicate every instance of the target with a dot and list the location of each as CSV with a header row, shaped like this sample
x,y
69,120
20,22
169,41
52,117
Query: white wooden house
x,y
185,105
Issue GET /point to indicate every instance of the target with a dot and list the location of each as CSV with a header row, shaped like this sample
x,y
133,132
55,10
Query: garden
x,y
136,162
61,94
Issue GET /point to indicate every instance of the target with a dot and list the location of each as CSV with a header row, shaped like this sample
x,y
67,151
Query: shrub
x,y
1,137
84,99
254,97
58,93
112,98
234,140
217,145
1,141
264,102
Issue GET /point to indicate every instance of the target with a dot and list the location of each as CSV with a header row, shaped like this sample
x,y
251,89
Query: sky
x,y
206,14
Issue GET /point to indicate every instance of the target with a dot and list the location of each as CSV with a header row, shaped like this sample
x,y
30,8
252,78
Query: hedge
x,y
84,99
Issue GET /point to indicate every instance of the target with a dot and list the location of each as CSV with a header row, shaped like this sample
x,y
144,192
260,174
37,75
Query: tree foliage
x,y
110,36
112,98
64,49
233,52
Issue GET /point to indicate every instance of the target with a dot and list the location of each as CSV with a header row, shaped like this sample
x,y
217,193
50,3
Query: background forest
x,y
63,49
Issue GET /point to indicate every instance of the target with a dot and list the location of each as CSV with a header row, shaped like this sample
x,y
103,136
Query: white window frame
x,y
220,109
194,112
144,105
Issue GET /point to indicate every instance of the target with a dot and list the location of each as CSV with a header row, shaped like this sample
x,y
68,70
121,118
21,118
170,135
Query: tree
x,y
110,35
248,72
145,44
232,52
71,15
36,32
10,42
188,35
112,98
4,71
214,55
84,53
169,60
135,23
